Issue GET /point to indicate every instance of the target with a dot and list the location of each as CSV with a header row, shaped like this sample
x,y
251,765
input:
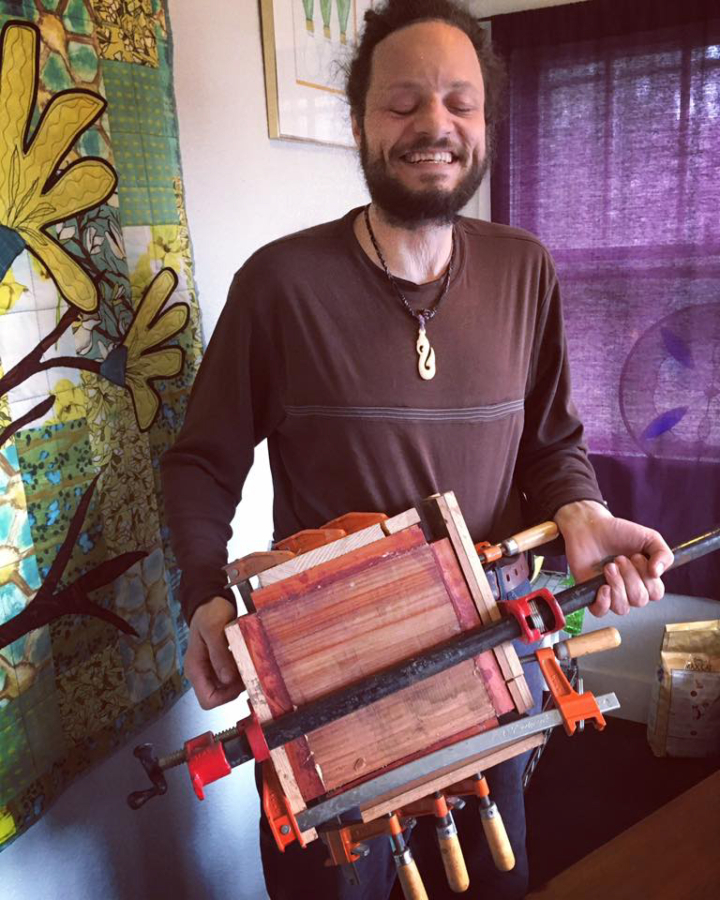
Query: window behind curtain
x,y
611,155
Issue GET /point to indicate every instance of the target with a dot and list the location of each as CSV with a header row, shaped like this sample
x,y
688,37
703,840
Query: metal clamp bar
x,y
455,754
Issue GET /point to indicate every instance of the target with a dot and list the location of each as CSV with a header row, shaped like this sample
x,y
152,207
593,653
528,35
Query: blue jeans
x,y
299,873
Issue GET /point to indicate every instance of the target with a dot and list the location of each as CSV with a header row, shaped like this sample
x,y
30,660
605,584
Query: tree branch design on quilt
x,y
49,603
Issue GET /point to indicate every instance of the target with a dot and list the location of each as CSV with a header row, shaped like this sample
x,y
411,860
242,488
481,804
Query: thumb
x,y
659,554
221,657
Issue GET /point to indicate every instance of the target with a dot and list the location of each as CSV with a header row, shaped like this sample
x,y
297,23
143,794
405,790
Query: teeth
x,y
429,157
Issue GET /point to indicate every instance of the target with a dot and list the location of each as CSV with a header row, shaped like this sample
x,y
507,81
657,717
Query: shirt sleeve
x,y
553,466
235,404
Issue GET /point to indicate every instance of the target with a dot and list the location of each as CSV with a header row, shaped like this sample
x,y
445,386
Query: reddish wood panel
x,y
336,569
468,617
353,626
279,702
360,620
428,714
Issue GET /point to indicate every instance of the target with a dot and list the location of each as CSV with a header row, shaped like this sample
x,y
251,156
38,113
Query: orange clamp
x,y
488,553
573,707
280,817
309,539
344,843
356,521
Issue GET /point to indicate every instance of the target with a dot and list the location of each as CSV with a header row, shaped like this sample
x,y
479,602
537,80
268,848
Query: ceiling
x,y
484,8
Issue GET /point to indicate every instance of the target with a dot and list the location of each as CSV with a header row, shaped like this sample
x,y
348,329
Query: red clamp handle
x,y
206,761
520,608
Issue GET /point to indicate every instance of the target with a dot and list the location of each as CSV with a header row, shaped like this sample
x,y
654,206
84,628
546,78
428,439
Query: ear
x,y
356,130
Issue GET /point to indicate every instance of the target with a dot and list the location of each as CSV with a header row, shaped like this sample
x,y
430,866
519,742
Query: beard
x,y
412,209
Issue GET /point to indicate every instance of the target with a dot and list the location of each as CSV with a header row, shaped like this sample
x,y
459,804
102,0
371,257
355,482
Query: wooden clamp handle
x,y
592,642
454,863
411,882
518,543
498,841
530,538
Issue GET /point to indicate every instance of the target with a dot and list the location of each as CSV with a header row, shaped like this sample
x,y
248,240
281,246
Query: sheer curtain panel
x,y
610,153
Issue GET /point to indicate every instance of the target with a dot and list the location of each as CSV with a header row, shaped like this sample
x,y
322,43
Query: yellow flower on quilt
x,y
33,196
141,354
10,292
70,401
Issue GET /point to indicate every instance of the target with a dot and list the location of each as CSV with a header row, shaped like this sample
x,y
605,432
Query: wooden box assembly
x,y
341,612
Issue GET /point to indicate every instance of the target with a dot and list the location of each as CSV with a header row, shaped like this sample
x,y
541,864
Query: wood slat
x,y
401,521
267,692
279,757
335,569
468,617
444,512
398,727
321,555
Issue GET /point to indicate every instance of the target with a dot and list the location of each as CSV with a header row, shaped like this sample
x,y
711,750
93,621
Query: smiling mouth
x,y
437,157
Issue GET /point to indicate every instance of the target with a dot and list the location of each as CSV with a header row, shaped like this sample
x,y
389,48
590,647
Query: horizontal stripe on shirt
x,y
468,414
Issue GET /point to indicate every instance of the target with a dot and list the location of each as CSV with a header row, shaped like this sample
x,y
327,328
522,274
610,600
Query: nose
x,y
433,118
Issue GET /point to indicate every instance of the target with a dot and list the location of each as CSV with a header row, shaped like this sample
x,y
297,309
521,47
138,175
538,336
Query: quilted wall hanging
x,y
99,343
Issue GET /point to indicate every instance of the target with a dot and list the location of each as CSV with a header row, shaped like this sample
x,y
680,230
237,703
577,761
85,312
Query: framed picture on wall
x,y
306,46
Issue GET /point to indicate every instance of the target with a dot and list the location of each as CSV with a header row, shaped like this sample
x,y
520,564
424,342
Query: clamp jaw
x,y
537,613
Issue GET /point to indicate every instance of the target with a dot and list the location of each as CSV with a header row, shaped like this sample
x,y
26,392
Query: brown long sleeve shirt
x,y
314,352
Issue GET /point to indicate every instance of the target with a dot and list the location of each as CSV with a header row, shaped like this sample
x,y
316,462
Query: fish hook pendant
x,y
426,354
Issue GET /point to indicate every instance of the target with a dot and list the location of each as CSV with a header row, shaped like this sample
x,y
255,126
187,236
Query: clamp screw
x,y
285,829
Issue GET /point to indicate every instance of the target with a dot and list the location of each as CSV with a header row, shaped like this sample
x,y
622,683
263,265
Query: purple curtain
x,y
610,153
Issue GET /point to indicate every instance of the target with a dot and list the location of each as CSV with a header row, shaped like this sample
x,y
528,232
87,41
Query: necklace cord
x,y
421,316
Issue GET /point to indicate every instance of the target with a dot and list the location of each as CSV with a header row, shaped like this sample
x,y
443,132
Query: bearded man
x,y
400,351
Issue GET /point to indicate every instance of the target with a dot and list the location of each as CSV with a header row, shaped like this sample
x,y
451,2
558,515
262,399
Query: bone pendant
x,y
426,356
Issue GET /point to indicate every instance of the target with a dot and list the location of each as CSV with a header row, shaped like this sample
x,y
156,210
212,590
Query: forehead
x,y
432,54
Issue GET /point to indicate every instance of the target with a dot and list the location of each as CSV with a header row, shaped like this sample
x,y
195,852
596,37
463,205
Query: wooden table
x,y
673,854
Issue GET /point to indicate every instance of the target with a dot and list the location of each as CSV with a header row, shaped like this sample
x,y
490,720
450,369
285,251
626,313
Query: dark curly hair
x,y
396,14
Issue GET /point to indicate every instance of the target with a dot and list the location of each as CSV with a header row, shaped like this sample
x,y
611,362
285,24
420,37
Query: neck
x,y
418,255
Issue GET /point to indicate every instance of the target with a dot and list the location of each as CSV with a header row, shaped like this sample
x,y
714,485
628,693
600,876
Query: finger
x,y
654,586
618,598
200,673
209,692
658,552
635,589
601,605
219,695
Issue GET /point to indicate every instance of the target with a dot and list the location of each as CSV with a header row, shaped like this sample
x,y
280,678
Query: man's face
x,y
422,141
